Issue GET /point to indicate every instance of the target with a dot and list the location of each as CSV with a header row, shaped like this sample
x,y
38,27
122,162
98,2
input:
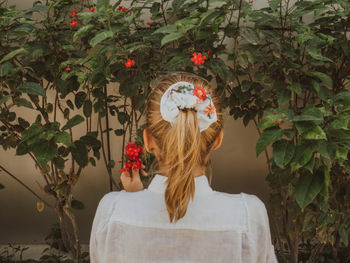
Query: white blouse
x,y
217,227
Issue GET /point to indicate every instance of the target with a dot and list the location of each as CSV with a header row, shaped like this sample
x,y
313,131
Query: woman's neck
x,y
198,170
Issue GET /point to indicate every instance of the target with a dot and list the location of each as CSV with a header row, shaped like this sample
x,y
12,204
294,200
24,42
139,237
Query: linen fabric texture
x,y
173,100
218,227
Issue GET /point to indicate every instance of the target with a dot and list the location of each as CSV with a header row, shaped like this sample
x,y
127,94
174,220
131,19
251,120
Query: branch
x,y
27,187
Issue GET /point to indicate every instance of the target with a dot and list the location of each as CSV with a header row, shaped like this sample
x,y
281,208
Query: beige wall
x,y
235,170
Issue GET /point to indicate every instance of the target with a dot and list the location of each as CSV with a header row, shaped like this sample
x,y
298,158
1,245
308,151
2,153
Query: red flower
x,y
347,69
121,8
134,153
208,52
129,63
210,109
73,23
149,23
198,58
67,68
74,13
92,9
200,92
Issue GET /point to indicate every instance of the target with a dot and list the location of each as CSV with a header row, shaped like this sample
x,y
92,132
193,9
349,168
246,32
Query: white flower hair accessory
x,y
185,95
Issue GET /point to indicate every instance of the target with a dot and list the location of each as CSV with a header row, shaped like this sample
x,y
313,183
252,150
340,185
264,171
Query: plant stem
x,y
27,187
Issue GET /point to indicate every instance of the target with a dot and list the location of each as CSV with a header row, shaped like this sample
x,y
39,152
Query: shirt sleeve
x,y
258,245
103,212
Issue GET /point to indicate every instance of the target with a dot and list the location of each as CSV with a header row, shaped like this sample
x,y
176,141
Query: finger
x,y
143,172
135,173
125,174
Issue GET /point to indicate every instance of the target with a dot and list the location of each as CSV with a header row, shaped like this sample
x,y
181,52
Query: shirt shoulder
x,y
256,211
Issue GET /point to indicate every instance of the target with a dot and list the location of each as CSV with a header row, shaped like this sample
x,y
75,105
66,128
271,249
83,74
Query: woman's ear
x,y
218,140
148,141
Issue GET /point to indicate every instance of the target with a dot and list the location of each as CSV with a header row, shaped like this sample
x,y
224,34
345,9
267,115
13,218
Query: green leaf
x,y
326,149
77,119
63,137
310,113
316,54
12,54
80,153
177,63
283,152
267,121
307,188
100,37
4,99
266,138
5,69
171,37
302,155
31,88
303,126
77,205
82,31
176,4
316,133
166,29
340,134
122,117
87,109
284,97
79,99
322,76
250,35
341,123
22,102
219,67
22,148
209,15
310,165
44,151
296,87
34,130
119,132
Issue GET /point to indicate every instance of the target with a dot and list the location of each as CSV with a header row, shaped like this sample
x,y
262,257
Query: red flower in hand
x,y
198,58
149,23
74,13
134,154
73,23
92,9
200,92
129,63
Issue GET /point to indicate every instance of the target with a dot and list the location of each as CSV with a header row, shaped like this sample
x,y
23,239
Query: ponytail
x,y
182,145
182,152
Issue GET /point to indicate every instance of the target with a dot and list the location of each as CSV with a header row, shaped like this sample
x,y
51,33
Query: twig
x,y
18,180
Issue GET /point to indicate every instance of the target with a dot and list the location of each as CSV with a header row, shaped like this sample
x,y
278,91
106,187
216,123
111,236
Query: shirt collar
x,y
202,187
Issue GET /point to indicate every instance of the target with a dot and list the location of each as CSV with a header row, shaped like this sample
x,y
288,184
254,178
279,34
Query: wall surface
x,y
234,165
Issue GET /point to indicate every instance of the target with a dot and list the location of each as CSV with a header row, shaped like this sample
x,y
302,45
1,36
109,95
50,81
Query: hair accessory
x,y
183,95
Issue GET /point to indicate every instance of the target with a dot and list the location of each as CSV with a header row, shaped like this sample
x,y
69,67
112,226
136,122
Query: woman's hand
x,y
132,182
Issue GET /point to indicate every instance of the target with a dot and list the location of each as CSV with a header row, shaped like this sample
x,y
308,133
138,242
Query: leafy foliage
x,y
272,68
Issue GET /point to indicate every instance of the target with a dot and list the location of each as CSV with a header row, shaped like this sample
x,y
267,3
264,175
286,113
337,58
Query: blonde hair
x,y
182,146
